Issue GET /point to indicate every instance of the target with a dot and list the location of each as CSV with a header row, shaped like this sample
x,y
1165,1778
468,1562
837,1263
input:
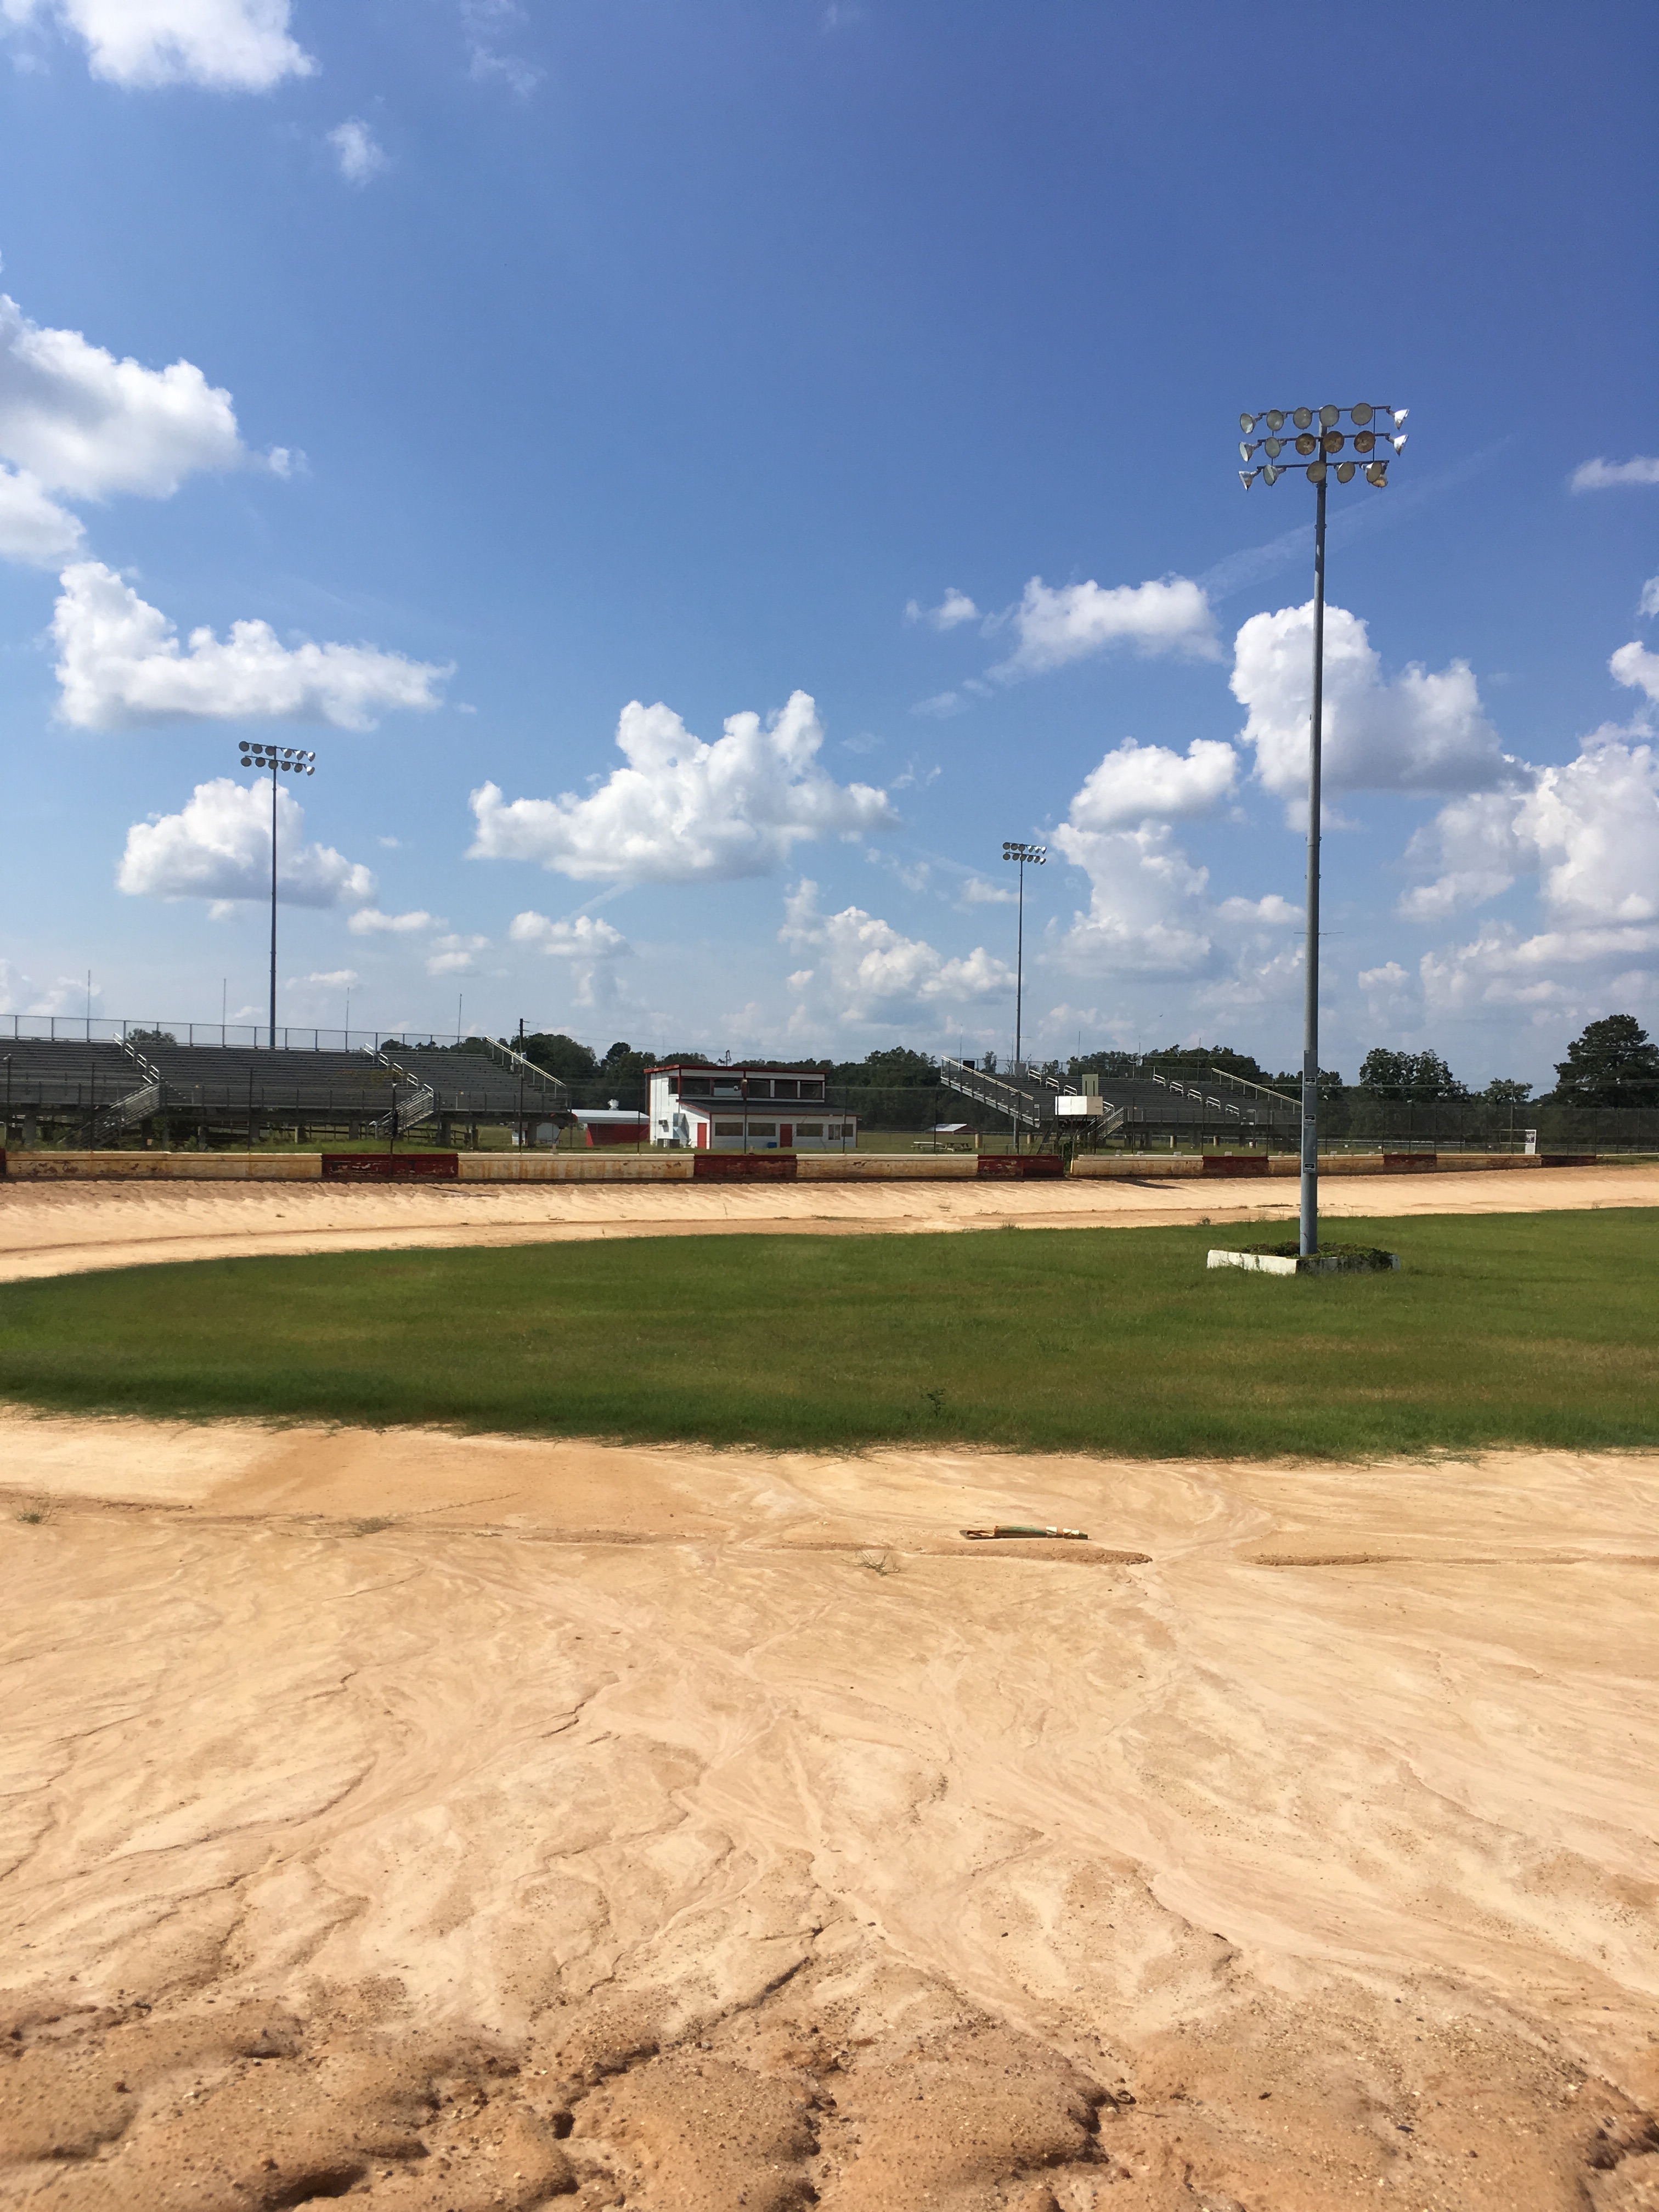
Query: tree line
x,y
1611,1063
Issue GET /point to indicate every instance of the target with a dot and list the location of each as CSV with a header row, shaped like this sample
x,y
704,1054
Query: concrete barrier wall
x,y
1129,1167
576,1167
886,1167
163,1167
676,1167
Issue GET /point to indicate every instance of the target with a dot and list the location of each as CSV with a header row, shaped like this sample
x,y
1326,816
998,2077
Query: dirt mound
x,y
461,1823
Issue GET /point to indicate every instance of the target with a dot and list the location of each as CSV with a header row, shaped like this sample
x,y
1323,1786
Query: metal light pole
x,y
1038,856
1313,436
280,760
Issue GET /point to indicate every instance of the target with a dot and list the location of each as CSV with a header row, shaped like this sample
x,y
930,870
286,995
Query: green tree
x,y
1423,1077
1504,1090
623,1064
559,1055
1613,1063
894,1067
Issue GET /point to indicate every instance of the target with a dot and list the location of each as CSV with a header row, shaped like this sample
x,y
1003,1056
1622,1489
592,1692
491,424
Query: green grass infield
x,y
1539,1329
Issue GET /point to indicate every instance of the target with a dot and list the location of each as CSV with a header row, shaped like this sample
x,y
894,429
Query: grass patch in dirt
x,y
1540,1329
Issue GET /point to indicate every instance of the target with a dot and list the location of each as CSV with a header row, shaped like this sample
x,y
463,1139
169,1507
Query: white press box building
x,y
739,1110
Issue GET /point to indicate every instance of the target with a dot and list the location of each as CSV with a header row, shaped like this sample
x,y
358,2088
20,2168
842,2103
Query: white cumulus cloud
x,y
1057,624
358,151
218,846
1392,997
1589,831
683,811
80,421
1422,731
1595,825
1570,974
1601,476
585,938
21,994
1134,780
120,665
1475,849
1649,603
226,45
34,527
369,921
864,970
1634,665
455,955
1150,911
485,20
954,609
590,944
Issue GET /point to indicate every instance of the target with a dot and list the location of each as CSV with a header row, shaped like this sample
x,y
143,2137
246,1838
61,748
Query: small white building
x,y
745,1109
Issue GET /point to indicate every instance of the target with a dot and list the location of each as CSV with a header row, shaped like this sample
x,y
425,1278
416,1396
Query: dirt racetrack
x,y
457,1823
58,1228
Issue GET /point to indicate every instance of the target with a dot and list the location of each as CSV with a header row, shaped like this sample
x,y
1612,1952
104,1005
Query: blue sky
x,y
426,382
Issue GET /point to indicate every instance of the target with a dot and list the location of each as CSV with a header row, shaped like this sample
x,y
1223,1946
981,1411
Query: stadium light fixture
x,y
1322,447
275,761
1034,856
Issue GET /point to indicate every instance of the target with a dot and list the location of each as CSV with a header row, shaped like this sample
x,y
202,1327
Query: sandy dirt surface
x,y
52,1229
460,1823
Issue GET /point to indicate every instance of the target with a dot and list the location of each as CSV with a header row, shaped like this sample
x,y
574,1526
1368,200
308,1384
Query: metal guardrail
x,y
147,1068
408,1112
1293,1106
1016,1101
136,1106
527,1069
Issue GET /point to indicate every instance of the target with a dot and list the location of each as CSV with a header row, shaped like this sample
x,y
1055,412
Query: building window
x,y
809,1128
810,1089
760,1086
728,1128
762,1128
783,1088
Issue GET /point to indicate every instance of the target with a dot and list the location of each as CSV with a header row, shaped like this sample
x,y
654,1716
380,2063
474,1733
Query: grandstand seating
x,y
65,1073
471,1083
228,1086
318,1084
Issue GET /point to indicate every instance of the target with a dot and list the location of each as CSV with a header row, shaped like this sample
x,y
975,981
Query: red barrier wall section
x,y
1022,1167
390,1167
743,1167
1235,1164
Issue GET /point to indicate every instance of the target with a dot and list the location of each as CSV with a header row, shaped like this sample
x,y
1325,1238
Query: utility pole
x,y
1318,447
280,760
1037,855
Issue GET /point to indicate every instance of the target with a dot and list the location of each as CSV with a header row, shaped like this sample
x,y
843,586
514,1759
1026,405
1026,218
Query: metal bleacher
x,y
66,1074
101,1088
1020,1094
497,1082
1215,1104
222,1079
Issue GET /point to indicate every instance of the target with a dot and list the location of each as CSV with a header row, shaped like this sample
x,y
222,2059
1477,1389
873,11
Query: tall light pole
x,y
279,760
1035,856
1315,436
